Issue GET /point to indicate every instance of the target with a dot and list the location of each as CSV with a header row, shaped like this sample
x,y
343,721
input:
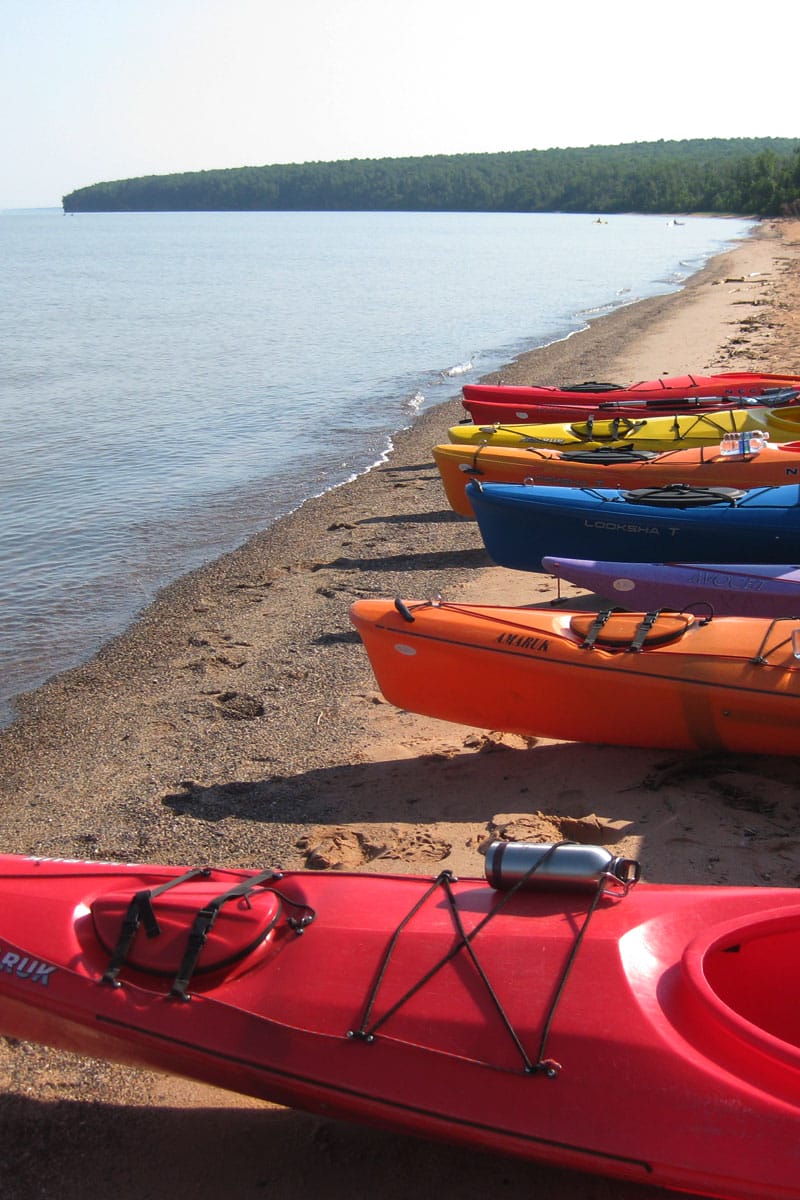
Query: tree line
x,y
738,176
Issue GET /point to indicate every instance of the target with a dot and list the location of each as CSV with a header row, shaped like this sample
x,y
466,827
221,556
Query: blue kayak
x,y
521,524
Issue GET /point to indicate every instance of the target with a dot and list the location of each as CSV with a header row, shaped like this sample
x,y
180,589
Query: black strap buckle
x,y
204,923
596,628
645,625
140,912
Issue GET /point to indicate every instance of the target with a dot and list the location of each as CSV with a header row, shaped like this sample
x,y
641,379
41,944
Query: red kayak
x,y
487,403
553,1010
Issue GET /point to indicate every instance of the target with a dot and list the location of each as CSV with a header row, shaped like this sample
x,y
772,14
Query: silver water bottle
x,y
560,867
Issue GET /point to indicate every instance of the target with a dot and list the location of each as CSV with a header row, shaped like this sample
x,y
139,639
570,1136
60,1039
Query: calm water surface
x,y
172,383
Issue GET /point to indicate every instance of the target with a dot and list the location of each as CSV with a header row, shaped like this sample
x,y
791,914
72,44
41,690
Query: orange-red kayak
x,y
515,403
570,408
669,680
703,466
557,1009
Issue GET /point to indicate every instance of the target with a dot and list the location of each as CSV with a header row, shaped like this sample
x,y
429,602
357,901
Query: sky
x,y
94,90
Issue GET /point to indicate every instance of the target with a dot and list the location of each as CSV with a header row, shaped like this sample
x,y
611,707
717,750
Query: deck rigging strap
x,y
655,628
366,1031
645,625
596,628
140,911
618,427
205,919
760,658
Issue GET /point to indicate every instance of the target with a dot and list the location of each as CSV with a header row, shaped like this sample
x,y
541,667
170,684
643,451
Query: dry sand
x,y
238,723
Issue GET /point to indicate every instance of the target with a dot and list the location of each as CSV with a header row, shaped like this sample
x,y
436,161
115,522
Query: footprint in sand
x,y
236,706
543,827
349,849
221,652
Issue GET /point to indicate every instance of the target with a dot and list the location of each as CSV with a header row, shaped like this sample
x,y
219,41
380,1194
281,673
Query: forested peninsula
x,y
757,177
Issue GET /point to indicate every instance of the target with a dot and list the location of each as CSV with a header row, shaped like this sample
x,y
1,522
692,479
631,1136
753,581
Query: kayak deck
x,y
610,678
627,1031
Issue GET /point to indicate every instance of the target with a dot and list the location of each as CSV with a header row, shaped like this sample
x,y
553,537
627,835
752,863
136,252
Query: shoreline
x,y
237,722
585,350
10,708
125,616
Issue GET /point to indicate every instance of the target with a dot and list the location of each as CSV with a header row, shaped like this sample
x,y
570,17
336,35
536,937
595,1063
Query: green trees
x,y
743,176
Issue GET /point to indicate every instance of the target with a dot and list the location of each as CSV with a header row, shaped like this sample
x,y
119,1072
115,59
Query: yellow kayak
x,y
646,433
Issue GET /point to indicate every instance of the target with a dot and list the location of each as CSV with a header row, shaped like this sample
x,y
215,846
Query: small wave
x,y
414,403
599,310
459,369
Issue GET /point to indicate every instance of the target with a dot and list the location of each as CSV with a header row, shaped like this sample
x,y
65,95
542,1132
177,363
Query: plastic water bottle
x,y
564,866
749,441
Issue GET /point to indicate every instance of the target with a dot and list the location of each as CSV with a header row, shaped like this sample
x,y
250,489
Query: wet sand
x,y
238,723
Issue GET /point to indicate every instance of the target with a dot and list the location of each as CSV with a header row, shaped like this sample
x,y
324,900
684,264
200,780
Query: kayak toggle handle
x,y
404,610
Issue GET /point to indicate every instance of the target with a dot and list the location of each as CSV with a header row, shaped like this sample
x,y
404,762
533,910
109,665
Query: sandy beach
x,y
238,723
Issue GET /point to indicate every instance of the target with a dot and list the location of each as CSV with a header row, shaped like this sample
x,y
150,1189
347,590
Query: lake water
x,y
172,383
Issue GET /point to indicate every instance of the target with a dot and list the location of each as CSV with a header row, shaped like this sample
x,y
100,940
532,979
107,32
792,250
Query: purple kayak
x,y
735,589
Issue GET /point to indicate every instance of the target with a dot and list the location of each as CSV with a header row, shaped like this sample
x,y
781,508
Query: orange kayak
x,y
670,680
702,466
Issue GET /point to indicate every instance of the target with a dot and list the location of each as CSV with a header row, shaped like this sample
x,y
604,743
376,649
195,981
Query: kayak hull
x,y
727,384
545,411
520,525
730,589
772,466
676,432
724,684
661,1065
509,403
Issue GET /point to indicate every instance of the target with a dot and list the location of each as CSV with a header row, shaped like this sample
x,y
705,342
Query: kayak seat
x,y
682,495
592,386
610,630
730,967
608,455
151,932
